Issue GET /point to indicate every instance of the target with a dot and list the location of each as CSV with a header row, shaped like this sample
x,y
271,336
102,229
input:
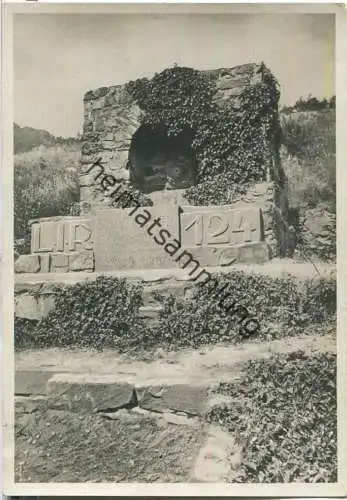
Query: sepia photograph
x,y
171,301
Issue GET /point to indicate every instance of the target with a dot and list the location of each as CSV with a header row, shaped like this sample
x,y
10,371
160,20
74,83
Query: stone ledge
x,y
31,382
164,281
87,392
276,267
177,398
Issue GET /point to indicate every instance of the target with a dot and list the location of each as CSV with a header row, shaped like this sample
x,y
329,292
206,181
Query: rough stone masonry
x,y
250,230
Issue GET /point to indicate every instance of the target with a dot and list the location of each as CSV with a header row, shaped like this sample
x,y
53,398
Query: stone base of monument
x,y
251,230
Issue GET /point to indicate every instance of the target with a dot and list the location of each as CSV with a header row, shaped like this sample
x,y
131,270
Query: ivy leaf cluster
x,y
284,417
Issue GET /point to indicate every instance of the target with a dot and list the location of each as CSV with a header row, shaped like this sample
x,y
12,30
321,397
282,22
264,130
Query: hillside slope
x,y
308,156
28,138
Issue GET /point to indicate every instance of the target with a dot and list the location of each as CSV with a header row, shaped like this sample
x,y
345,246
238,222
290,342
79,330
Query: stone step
x,y
92,392
34,293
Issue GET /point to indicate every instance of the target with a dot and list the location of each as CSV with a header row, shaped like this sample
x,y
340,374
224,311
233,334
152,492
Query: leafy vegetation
x,y
100,313
45,184
284,414
281,307
310,140
105,313
230,148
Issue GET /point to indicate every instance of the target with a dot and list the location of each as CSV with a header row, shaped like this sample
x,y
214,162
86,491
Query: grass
x,y
60,446
310,162
284,416
45,184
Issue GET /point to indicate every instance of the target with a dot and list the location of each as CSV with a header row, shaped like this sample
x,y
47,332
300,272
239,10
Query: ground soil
x,y
60,446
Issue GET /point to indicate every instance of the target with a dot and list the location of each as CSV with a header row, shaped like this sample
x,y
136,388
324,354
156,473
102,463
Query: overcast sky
x,y
57,58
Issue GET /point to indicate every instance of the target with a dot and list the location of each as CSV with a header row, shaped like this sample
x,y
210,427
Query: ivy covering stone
x,y
104,314
232,146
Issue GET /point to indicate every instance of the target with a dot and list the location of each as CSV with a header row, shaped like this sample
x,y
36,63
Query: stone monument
x,y
250,230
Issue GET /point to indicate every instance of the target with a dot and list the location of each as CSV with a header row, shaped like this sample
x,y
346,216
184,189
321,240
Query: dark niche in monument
x,y
159,162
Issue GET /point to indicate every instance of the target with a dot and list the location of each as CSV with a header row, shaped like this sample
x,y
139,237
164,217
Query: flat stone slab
x,y
274,267
177,398
31,382
87,392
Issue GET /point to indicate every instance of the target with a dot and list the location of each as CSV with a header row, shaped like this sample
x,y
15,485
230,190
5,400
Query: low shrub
x,y
318,236
97,314
284,416
318,300
221,190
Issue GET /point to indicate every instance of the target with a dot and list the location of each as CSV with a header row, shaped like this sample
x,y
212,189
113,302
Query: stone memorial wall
x,y
252,229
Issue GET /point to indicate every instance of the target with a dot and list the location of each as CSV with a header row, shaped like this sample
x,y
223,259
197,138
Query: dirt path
x,y
193,366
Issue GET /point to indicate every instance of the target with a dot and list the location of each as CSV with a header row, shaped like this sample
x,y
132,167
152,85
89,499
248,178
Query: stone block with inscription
x,y
59,245
65,234
124,238
155,237
204,226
